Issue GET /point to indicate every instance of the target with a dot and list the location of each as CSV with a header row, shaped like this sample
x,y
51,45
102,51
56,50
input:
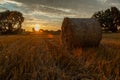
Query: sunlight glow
x,y
37,27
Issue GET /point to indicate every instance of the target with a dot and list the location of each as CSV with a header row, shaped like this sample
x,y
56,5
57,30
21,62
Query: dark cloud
x,y
59,3
69,4
113,1
80,8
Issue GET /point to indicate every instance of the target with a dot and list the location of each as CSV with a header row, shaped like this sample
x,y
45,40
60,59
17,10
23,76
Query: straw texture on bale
x,y
80,32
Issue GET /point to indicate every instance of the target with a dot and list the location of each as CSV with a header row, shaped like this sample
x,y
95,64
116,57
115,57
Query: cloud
x,y
13,2
1,1
80,8
113,3
12,5
102,1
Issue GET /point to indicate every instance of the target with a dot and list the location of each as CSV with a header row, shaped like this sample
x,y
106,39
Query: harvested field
x,y
41,57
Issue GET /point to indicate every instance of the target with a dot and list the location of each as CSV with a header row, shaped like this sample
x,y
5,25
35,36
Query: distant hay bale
x,y
80,32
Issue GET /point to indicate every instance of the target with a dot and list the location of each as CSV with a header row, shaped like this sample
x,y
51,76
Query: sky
x,y
50,13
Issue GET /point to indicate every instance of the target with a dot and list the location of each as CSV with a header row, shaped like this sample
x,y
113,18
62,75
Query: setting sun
x,y
37,27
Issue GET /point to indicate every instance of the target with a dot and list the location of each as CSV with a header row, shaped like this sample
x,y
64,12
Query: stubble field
x,y
41,57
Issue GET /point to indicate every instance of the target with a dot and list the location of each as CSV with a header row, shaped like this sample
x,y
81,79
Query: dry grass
x,y
40,57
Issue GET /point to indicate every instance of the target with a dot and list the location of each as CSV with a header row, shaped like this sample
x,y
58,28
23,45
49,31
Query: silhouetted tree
x,y
109,19
10,22
33,29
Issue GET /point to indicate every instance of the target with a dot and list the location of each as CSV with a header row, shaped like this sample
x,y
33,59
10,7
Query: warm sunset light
x,y
37,27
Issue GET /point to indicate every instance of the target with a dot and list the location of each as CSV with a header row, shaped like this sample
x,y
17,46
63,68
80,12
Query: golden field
x,y
41,57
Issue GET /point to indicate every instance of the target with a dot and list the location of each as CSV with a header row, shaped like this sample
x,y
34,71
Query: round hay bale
x,y
80,32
